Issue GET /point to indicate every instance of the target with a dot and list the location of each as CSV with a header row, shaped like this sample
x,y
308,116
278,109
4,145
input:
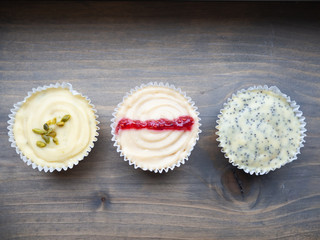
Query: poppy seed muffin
x,y
260,129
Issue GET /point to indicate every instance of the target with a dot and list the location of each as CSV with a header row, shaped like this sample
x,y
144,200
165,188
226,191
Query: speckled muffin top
x,y
258,130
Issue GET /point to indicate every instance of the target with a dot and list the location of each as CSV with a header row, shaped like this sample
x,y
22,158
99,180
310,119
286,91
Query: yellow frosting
x,y
151,149
75,137
258,130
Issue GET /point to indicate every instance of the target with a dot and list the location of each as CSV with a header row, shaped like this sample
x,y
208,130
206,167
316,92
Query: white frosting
x,y
75,137
258,129
152,149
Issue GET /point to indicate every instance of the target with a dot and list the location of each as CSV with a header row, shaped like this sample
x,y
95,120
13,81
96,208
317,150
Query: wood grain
x,y
209,50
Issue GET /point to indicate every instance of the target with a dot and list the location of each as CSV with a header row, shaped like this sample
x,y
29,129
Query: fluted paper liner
x,y
12,121
297,113
114,119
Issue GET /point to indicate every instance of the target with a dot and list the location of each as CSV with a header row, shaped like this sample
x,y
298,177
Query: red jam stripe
x,y
183,123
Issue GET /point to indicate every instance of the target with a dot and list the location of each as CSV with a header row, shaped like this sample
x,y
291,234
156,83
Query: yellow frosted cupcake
x,y
260,129
53,128
155,127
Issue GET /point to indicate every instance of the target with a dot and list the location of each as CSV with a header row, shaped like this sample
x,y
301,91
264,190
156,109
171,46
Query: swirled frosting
x,y
75,137
154,149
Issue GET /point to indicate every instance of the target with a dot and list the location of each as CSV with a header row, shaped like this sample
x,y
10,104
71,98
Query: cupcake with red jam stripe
x,y
155,127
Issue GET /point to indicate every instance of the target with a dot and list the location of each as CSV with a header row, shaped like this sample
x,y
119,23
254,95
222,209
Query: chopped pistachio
x,y
52,121
38,131
65,118
46,126
45,138
41,144
55,140
52,134
60,124
49,131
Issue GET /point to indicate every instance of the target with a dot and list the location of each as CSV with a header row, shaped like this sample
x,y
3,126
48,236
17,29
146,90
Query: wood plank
x,y
209,50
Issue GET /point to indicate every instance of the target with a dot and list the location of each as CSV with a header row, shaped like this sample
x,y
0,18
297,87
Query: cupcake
x,y
53,128
155,127
260,129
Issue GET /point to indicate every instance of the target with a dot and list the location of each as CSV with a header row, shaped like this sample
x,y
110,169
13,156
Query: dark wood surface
x,y
209,50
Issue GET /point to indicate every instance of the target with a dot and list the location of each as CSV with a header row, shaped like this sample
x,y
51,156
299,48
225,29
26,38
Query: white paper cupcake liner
x,y
298,114
113,127
12,120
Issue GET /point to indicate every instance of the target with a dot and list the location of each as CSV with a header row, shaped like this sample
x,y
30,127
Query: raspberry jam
x,y
183,123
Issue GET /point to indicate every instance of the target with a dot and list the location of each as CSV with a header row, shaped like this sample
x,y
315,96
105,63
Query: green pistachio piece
x,y
41,144
46,126
60,124
49,131
45,138
52,134
38,131
55,140
65,118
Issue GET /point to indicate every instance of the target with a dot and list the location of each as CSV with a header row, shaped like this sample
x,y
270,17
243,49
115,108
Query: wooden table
x,y
210,50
